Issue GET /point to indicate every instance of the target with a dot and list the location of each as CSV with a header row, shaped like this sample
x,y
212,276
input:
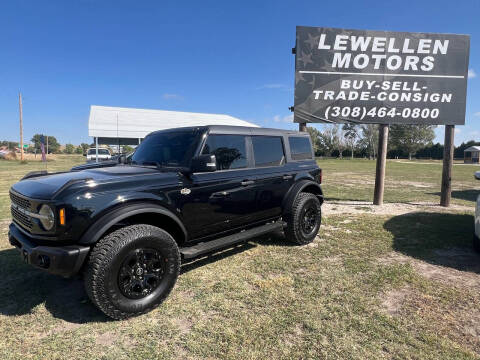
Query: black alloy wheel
x,y
140,273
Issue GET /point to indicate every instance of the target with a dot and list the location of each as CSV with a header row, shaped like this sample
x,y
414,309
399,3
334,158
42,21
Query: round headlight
x,y
48,218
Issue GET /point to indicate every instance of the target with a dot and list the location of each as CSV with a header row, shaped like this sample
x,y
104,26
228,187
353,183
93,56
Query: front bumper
x,y
65,261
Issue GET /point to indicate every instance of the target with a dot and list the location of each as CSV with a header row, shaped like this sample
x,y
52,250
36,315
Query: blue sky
x,y
201,56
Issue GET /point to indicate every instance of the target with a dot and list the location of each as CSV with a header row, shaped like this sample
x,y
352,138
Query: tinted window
x,y
100,152
300,148
268,151
229,150
170,148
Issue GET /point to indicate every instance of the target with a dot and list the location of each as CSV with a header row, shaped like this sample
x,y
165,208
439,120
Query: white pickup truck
x,y
103,154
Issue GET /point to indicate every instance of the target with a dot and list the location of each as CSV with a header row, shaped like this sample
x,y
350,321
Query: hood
x,y
48,186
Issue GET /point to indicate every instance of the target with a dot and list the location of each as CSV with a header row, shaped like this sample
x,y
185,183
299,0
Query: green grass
x,y
414,181
362,290
13,171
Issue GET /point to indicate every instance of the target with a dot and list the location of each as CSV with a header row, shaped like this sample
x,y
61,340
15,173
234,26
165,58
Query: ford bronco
x,y
126,226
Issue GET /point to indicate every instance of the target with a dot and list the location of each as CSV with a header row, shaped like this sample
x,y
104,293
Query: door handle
x,y
247,182
221,194
287,177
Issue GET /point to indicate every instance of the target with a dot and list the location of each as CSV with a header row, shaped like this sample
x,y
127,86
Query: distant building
x,y
471,155
127,126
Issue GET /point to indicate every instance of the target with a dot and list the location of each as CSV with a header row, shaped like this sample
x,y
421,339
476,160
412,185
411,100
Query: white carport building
x,y
128,126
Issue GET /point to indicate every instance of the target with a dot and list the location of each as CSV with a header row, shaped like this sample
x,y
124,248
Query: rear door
x,y
272,177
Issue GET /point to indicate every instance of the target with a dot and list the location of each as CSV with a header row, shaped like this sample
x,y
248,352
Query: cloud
x,y
473,133
284,119
275,86
471,73
172,97
477,113
457,130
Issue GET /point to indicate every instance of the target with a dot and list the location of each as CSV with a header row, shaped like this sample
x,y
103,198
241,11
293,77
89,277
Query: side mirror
x,y
477,175
122,159
204,163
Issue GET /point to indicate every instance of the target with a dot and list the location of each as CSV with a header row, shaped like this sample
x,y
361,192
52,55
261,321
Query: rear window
x,y
268,151
300,147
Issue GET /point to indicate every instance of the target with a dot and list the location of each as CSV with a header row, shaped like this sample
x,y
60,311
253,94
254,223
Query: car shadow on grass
x,y
276,238
468,195
24,288
438,238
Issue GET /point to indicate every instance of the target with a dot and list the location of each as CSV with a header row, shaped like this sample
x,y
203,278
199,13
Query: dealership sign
x,y
380,77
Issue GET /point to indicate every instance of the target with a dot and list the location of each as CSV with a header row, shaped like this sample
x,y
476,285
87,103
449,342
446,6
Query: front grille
x,y
21,218
17,215
20,201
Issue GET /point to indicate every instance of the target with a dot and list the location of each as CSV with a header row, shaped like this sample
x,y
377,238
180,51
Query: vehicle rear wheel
x,y
132,270
304,220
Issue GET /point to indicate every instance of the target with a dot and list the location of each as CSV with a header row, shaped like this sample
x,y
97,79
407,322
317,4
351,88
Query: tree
x,y
53,145
411,138
328,139
459,151
369,139
84,147
350,133
127,149
78,150
315,136
69,149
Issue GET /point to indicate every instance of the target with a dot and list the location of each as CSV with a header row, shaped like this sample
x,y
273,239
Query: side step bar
x,y
209,246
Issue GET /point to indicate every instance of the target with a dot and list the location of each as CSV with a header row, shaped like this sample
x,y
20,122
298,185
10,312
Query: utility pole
x,y
21,124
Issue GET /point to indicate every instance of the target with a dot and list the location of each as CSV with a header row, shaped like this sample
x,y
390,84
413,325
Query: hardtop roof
x,y
240,130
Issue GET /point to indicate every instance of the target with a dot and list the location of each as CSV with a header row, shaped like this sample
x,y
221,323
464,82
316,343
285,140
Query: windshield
x,y
169,148
100,152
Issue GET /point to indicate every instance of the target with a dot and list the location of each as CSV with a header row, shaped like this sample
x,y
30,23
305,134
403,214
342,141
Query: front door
x,y
222,200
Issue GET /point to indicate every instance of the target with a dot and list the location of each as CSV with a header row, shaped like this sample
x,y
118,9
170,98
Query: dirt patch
x,y
394,299
106,339
416,184
184,325
61,328
364,207
446,272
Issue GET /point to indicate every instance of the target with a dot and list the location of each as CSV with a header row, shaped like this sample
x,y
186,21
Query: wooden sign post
x,y
381,161
447,166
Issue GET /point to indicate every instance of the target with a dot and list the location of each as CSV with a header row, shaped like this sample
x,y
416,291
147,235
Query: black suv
x,y
183,193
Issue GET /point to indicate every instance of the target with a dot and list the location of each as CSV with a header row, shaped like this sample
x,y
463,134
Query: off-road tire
x,y
294,231
105,262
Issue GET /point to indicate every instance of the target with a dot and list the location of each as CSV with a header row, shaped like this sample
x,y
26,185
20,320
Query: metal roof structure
x,y
472,148
126,126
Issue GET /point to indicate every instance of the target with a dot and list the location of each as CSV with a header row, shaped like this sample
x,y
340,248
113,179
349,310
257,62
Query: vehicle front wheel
x,y
132,270
304,219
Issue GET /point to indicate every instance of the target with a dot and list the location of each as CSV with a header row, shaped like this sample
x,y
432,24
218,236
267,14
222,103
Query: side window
x,y
268,151
300,147
230,151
